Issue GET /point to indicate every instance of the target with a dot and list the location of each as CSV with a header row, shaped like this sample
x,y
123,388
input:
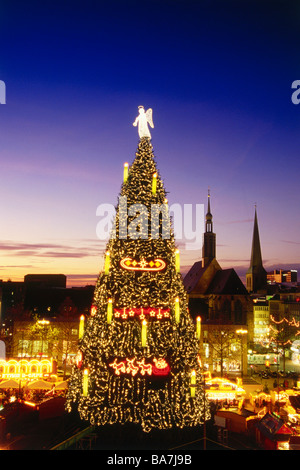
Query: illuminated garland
x,y
143,265
142,313
293,322
277,332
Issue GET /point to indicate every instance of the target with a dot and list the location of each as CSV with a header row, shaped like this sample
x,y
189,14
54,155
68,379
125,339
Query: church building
x,y
217,295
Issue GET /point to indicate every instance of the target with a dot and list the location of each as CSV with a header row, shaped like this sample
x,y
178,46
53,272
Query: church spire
x,y
256,276
209,238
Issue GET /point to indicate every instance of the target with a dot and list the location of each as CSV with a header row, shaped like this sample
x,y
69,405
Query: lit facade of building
x,y
53,339
26,369
261,318
280,276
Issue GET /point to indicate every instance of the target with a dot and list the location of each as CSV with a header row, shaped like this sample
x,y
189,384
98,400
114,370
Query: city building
x,y
23,304
47,338
284,310
279,276
11,299
45,280
261,319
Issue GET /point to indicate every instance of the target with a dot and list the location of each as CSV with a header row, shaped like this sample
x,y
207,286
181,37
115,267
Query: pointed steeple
x,y
256,259
209,238
256,277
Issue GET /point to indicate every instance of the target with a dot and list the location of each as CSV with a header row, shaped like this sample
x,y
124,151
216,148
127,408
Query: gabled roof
x,y
222,281
227,282
192,277
273,427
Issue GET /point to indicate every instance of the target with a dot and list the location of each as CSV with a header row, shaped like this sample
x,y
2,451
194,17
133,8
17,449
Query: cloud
x,y
16,266
290,242
79,249
242,221
81,279
230,260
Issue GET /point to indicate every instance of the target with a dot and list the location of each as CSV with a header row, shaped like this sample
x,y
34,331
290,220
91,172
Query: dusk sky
x,y
218,76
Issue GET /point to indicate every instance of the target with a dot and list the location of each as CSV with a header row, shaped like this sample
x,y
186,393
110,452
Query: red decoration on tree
x,y
158,367
93,310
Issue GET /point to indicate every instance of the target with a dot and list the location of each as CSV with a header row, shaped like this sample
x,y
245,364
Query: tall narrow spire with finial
x,y
209,238
256,277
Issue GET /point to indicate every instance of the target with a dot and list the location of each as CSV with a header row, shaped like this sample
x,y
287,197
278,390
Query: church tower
x,y
209,238
256,276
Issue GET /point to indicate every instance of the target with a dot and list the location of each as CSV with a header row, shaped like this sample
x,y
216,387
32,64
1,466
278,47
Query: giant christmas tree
x,y
138,355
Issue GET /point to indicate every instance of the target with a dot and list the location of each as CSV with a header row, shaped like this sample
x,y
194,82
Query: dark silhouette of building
x,y
11,298
256,276
43,295
209,238
56,301
45,280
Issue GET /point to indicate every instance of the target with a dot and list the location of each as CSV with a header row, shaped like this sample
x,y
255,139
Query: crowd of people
x,y
24,393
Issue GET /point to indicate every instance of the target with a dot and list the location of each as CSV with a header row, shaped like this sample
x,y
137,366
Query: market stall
x,y
224,391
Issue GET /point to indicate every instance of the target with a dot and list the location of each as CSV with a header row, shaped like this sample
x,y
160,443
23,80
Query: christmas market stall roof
x,y
9,384
273,428
295,402
40,385
61,385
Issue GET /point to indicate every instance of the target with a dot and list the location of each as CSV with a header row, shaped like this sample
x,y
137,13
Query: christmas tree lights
x,y
198,327
81,326
139,346
154,183
109,311
177,261
125,172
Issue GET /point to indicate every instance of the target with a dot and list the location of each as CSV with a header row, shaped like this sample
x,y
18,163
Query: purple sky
x,y
219,82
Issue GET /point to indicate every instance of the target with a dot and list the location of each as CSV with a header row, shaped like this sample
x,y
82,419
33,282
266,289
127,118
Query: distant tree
x,y
220,340
283,331
46,334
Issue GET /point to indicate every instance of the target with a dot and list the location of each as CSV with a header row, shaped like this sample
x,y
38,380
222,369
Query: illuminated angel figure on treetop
x,y
144,118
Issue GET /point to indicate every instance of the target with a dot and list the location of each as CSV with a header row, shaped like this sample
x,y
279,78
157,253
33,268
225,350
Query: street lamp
x,y
241,332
